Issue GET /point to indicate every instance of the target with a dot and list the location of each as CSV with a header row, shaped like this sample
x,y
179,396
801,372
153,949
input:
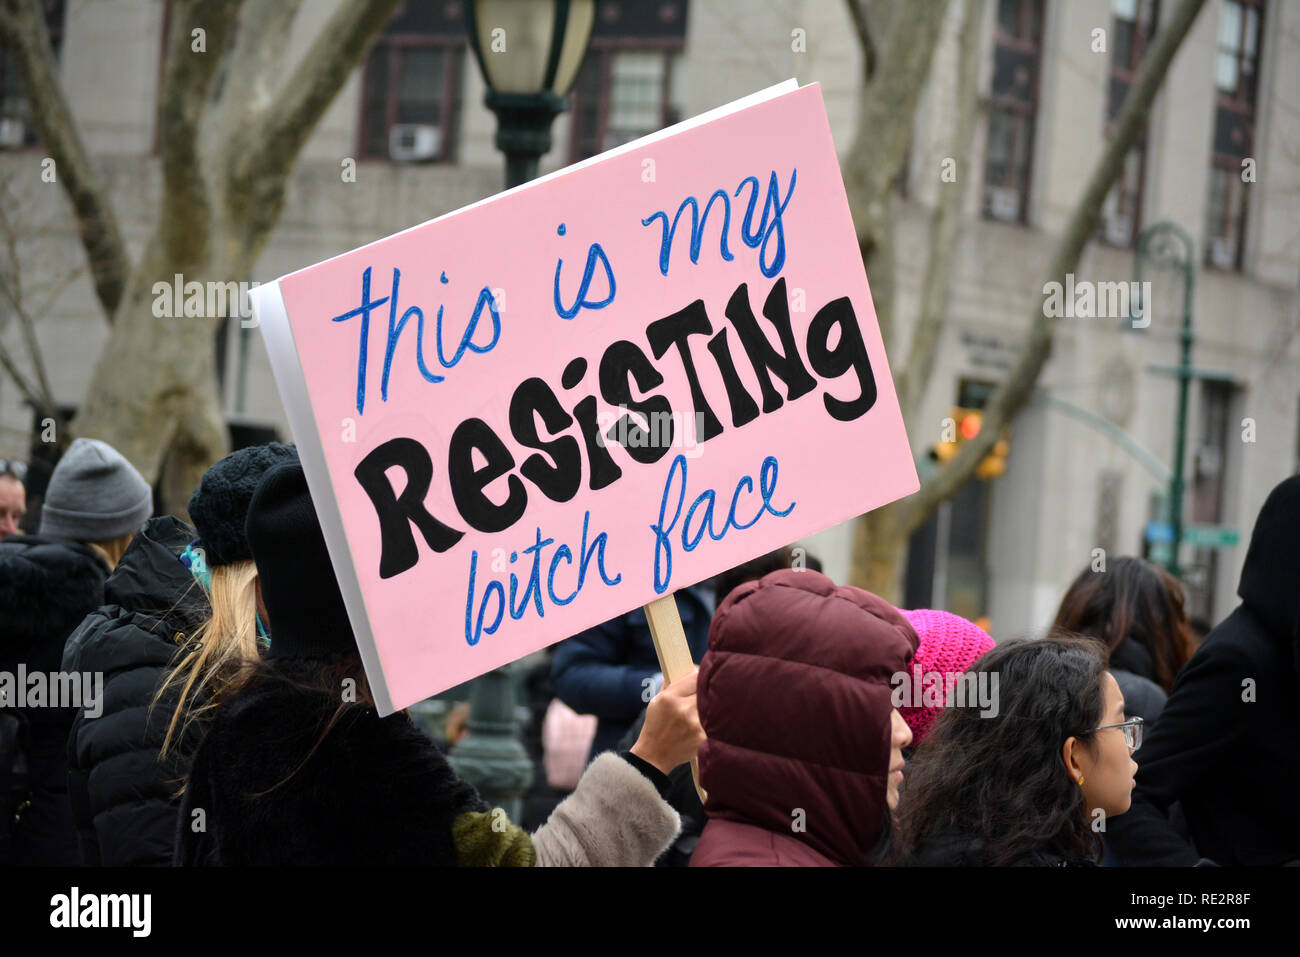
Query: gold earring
x,y
1080,780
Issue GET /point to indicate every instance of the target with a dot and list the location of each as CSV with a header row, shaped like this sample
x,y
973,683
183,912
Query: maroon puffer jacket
x,y
794,695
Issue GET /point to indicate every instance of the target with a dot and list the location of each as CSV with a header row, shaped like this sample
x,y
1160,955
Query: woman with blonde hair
x,y
180,622
49,582
222,564
291,773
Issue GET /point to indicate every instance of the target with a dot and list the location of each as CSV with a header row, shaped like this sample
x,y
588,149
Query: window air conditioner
x,y
1223,253
12,133
414,142
1209,461
1119,230
1004,203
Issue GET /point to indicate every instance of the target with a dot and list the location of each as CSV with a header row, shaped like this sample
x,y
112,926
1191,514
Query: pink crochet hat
x,y
949,646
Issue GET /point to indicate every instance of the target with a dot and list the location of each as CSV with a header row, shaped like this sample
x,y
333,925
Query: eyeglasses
x,y
15,468
1132,729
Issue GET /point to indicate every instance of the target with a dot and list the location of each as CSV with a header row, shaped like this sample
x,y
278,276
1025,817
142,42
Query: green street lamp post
x,y
529,52
1169,245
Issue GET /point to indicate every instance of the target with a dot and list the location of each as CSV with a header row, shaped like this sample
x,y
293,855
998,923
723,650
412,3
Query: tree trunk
x,y
1016,388
884,129
880,537
226,164
878,551
154,387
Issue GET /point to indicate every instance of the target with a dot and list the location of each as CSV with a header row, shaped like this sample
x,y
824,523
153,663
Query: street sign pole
x,y
1168,244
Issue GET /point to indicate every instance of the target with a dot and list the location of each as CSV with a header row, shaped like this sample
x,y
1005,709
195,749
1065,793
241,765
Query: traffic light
x,y
961,424
995,463
964,424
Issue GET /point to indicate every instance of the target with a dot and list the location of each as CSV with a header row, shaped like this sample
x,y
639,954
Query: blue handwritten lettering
x,y
771,256
698,223
485,298
773,208
518,604
534,580
594,254
472,634
397,325
663,556
363,311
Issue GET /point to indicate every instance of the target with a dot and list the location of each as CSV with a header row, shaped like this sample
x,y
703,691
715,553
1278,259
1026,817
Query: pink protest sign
x,y
531,415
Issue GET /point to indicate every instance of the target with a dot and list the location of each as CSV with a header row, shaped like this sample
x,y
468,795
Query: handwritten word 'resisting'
x,y
555,427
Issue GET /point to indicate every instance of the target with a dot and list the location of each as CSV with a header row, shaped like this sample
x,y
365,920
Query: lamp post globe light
x,y
530,52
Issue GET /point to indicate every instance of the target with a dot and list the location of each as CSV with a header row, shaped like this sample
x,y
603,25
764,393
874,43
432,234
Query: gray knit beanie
x,y
94,495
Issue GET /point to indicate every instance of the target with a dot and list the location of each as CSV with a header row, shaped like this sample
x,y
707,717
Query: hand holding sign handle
x,y
674,654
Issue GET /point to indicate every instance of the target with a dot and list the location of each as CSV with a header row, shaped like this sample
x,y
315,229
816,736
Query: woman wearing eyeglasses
x,y
1029,784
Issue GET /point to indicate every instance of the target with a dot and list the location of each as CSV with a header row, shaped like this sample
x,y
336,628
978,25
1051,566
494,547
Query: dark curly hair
x,y
1001,779
1132,599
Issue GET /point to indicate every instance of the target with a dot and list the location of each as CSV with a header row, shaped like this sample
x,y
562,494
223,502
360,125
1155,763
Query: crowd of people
x,y
234,724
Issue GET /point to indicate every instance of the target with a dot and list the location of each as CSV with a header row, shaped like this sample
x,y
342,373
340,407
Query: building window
x,y
1236,82
411,92
1133,24
1208,488
627,85
16,128
1110,485
1012,107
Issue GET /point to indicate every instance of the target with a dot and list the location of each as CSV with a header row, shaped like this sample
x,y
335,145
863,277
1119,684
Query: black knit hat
x,y
307,618
219,505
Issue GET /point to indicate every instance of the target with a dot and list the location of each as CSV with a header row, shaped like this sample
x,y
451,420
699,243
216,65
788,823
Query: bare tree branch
x,y
29,390
937,285
1014,391
258,174
254,68
884,130
22,27
862,26
184,223
879,145
39,392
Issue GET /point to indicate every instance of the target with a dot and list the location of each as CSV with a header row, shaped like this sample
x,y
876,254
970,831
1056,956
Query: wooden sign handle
x,y
674,654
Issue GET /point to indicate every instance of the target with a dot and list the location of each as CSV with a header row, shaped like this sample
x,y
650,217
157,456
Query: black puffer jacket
x,y
1227,745
121,795
47,585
